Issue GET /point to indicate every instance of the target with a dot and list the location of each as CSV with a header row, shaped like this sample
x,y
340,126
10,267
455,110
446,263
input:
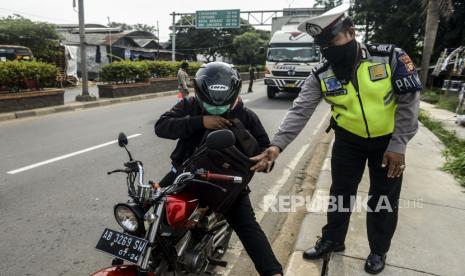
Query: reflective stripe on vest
x,y
370,112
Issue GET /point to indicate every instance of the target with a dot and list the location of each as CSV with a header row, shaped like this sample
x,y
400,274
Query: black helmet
x,y
217,83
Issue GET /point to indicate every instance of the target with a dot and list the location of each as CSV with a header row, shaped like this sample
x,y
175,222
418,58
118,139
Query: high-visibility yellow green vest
x,y
368,111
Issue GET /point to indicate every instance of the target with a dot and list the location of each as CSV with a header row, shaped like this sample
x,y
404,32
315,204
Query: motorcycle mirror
x,y
220,139
122,140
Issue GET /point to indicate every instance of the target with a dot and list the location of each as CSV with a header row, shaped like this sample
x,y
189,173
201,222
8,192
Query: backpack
x,y
230,161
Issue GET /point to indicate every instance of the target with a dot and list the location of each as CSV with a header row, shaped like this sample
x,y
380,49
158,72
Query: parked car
x,y
14,52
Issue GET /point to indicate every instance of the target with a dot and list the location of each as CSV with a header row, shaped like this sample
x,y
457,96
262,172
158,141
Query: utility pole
x,y
84,97
111,51
173,38
158,38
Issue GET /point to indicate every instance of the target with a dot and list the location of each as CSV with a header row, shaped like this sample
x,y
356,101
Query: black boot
x,y
321,248
375,263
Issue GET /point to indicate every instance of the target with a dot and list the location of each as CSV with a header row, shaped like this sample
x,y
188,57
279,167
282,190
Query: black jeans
x,y
241,217
349,156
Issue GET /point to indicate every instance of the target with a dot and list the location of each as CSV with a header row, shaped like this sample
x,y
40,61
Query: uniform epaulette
x,y
320,67
381,49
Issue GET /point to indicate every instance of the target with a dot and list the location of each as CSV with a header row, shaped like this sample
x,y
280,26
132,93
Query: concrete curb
x,y
296,265
83,105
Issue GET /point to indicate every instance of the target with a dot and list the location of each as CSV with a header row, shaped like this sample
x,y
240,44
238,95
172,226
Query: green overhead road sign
x,y
218,19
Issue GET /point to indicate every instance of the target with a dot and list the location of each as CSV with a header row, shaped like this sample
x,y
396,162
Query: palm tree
x,y
434,10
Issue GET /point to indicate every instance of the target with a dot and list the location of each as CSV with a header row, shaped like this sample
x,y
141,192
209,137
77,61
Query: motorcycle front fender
x,y
123,270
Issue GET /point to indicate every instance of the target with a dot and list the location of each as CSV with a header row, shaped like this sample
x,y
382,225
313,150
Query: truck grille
x,y
286,74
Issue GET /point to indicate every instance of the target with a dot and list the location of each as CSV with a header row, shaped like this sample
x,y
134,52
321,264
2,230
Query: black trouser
x,y
241,217
250,85
349,156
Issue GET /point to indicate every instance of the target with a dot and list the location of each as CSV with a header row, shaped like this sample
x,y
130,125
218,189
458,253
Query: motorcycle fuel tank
x,y
179,208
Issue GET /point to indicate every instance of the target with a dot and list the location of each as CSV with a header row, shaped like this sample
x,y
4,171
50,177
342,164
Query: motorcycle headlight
x,y
129,217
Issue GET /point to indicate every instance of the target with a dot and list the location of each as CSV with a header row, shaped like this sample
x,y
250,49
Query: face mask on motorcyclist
x,y
342,58
215,110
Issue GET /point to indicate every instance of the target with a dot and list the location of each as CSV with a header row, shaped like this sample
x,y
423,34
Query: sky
x,y
134,11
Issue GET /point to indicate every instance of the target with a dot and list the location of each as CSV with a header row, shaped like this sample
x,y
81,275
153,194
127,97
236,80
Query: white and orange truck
x,y
290,57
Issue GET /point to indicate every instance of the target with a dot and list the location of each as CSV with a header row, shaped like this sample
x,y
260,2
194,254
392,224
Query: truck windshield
x,y
295,54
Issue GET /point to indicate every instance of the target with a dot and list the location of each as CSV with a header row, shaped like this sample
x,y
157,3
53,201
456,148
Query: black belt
x,y
341,132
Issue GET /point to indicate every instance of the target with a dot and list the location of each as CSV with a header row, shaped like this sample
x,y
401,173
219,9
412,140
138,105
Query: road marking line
x,y
237,248
320,125
67,156
297,157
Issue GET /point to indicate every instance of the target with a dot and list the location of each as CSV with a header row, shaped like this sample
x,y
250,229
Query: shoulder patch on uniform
x,y
381,49
404,59
404,77
332,83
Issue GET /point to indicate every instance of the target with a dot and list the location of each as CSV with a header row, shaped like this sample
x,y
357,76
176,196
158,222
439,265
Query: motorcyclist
x,y
217,87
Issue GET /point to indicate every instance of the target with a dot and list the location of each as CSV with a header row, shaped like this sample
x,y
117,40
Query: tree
x,y
403,23
144,27
247,48
451,32
434,10
135,27
396,22
40,37
206,42
122,26
327,4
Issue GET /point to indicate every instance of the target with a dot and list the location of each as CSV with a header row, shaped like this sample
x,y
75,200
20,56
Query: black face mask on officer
x,y
342,59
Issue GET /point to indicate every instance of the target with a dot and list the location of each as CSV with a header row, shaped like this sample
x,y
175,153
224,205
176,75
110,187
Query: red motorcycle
x,y
166,229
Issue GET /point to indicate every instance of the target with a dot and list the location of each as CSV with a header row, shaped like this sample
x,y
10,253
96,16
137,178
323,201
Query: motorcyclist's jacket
x,y
184,122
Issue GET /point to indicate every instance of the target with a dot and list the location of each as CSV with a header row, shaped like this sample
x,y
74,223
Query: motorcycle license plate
x,y
121,245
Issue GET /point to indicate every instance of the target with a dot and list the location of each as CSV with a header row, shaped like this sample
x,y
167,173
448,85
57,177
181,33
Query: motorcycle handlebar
x,y
119,170
208,176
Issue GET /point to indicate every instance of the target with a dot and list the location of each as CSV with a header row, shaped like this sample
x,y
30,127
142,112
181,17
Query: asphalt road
x,y
55,196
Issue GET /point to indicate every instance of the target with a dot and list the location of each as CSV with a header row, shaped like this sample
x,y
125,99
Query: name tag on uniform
x,y
336,93
378,72
332,84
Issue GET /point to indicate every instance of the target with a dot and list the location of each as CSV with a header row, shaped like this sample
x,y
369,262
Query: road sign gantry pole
x,y
173,39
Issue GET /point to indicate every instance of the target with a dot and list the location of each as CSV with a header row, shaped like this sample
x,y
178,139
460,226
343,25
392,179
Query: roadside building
x,y
106,45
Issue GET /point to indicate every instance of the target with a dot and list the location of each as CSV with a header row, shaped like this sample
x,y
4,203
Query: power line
x,y
35,15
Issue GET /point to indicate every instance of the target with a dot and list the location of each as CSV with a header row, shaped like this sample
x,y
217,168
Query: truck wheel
x,y
271,92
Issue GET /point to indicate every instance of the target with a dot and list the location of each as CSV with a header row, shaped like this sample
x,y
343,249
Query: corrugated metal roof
x,y
140,38
142,42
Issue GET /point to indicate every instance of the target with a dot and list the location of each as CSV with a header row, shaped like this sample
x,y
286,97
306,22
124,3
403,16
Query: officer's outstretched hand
x,y
395,163
265,159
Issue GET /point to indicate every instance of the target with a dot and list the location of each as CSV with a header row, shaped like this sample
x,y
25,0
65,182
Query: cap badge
x,y
313,29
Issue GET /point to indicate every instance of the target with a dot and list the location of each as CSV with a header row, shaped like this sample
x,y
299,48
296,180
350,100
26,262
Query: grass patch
x,y
455,147
430,96
440,100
